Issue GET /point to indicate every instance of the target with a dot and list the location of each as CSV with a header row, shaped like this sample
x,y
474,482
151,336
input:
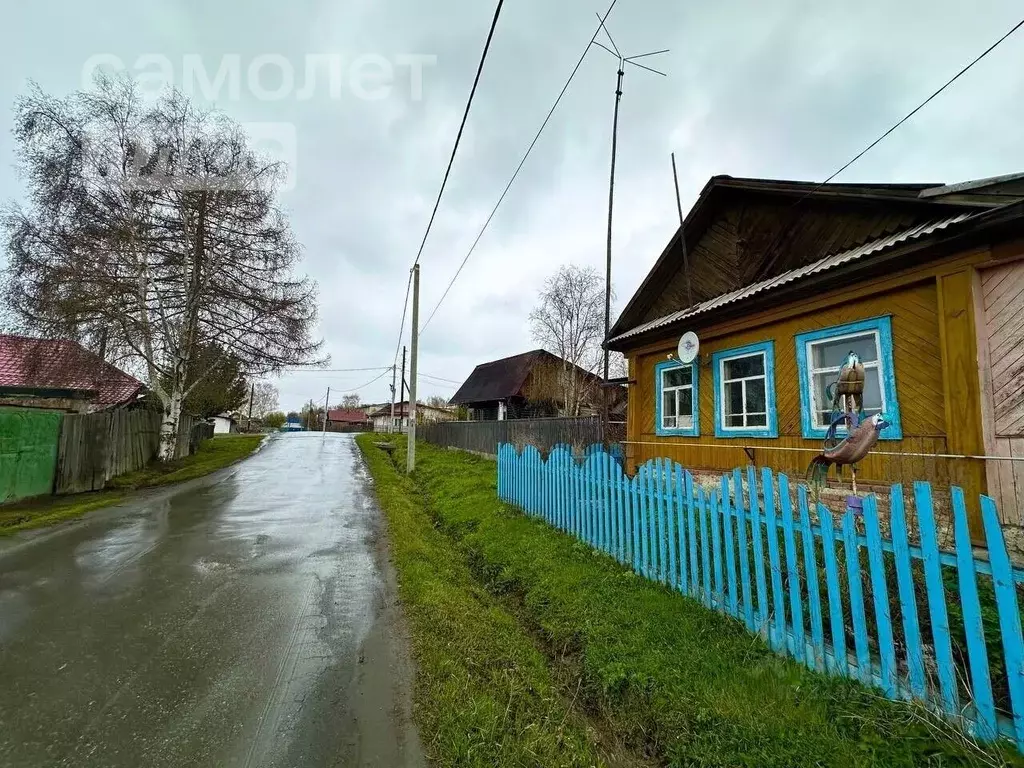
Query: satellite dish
x,y
689,346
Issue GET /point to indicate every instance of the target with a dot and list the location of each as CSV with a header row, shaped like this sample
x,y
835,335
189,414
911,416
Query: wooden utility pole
x,y
252,394
327,404
401,381
410,453
391,424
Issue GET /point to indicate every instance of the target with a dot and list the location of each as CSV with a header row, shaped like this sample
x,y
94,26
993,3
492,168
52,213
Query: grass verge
x,y
212,455
484,695
672,682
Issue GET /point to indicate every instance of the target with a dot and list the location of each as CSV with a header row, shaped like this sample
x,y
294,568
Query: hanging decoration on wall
x,y
847,395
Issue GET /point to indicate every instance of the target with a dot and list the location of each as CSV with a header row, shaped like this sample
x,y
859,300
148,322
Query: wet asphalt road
x,y
243,619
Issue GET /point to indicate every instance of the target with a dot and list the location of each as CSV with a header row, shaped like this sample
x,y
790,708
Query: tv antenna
x,y
621,71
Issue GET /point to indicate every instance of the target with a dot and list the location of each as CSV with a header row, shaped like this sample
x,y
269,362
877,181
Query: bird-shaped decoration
x,y
849,451
849,394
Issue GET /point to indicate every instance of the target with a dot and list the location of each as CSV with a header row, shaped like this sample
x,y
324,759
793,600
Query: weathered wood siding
x,y
1000,294
917,358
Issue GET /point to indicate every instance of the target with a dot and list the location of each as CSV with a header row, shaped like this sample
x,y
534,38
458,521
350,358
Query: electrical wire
x,y
439,378
515,173
371,381
448,170
338,370
770,257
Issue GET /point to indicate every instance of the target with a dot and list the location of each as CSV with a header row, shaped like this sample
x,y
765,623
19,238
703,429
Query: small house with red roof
x,y
347,418
59,374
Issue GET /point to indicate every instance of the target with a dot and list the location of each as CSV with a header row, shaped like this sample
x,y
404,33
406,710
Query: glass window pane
x,y
734,421
677,377
734,398
821,381
684,422
668,403
668,422
751,365
686,402
832,354
872,391
755,396
757,420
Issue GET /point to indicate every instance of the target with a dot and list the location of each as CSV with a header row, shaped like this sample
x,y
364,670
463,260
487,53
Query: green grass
x,y
484,695
212,455
655,672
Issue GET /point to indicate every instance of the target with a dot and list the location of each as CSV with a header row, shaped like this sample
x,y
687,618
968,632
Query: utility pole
x,y
327,404
401,384
252,394
391,424
682,234
410,453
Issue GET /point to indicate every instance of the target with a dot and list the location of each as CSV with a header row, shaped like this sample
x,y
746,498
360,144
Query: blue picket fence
x,y
792,575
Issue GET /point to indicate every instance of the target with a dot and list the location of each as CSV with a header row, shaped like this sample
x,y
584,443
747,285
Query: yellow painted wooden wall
x,y
917,358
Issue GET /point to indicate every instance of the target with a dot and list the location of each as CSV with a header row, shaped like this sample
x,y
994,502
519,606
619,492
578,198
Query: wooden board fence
x,y
833,594
94,447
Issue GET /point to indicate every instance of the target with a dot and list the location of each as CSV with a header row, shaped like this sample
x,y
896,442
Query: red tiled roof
x,y
347,416
63,364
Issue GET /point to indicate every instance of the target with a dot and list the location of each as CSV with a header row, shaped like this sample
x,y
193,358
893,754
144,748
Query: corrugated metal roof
x,y
822,265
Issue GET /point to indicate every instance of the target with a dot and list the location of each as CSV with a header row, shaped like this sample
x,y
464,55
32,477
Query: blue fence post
x,y
729,543
715,508
691,531
880,593
771,526
835,603
813,582
671,507
853,574
799,647
936,597
663,514
908,600
744,553
755,533
1009,614
705,550
681,540
974,630
645,505
634,511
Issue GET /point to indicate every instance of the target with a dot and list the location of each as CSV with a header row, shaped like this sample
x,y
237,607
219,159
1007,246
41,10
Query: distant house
x,y
534,384
294,424
347,418
382,419
59,374
224,423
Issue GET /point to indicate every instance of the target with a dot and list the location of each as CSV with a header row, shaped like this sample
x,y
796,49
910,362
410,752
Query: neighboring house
x,y
924,282
383,422
224,423
347,418
58,374
534,384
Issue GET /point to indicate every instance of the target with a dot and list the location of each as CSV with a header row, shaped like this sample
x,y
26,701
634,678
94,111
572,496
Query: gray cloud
x,y
789,89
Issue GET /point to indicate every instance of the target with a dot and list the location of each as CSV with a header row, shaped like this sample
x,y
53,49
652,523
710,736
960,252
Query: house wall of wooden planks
x,y
939,358
854,595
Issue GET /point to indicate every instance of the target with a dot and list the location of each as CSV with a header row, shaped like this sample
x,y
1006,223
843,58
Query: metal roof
x,y
822,265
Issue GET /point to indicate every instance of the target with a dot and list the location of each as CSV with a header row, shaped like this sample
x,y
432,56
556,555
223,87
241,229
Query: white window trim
x,y
811,372
678,388
722,381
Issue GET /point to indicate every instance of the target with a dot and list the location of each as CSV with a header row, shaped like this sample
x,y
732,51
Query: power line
x,y
775,243
448,170
371,381
522,162
338,370
439,378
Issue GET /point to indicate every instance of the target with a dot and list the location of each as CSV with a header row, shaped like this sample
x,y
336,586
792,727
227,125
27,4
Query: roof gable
x,y
741,231
62,364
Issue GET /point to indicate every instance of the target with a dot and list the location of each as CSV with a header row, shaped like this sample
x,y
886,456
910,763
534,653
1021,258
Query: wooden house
x,y
781,279
534,384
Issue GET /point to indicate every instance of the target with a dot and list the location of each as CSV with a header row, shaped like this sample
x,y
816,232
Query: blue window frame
x,y
821,354
745,391
676,409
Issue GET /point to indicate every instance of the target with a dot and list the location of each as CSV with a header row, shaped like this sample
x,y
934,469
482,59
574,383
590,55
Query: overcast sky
x,y
786,89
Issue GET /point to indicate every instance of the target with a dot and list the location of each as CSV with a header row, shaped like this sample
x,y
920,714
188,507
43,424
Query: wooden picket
x,y
791,572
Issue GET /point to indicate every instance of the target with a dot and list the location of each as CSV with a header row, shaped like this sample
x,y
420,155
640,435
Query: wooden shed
x,y
784,278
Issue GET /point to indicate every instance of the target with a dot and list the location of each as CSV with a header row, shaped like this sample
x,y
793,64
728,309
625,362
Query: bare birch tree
x,y
568,321
154,226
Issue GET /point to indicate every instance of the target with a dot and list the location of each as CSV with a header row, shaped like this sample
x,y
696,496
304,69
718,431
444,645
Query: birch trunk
x,y
169,425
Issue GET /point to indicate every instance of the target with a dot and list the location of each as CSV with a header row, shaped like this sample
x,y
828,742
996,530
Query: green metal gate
x,y
28,452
